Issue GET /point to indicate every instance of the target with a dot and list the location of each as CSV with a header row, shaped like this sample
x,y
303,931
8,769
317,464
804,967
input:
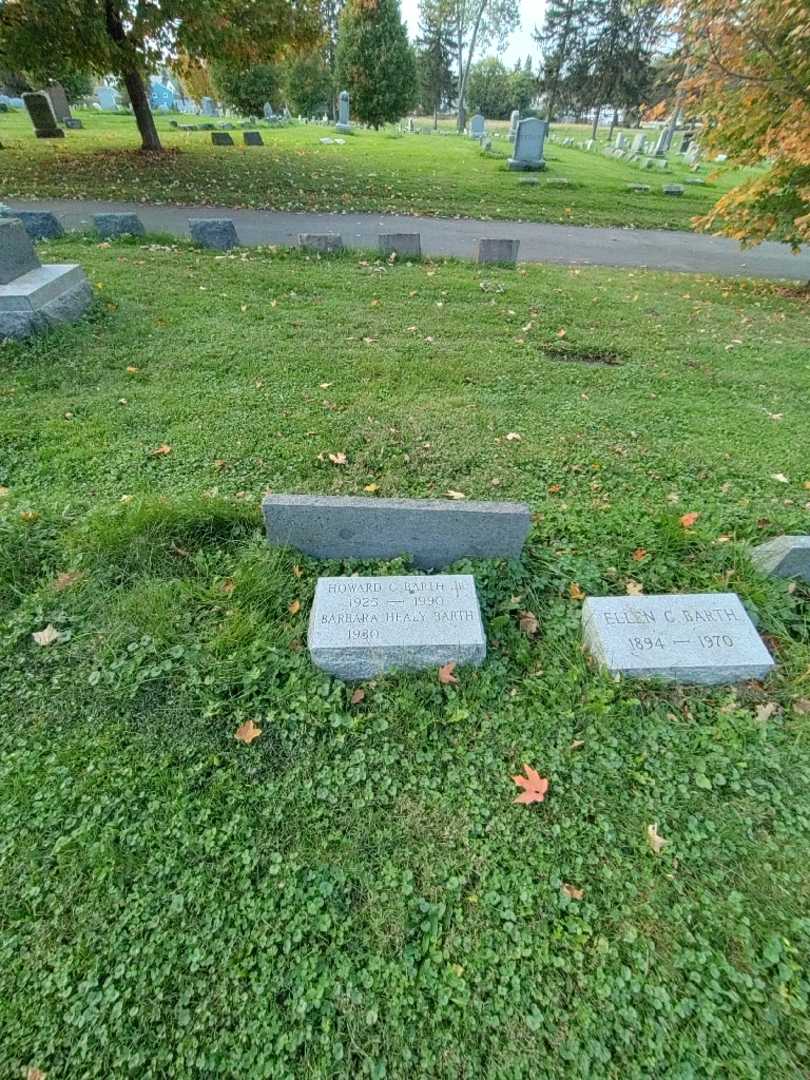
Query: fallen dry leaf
x,y
528,623
688,520
29,516
325,385
371,488
161,450
639,554
446,676
247,732
780,478
294,607
34,1074
802,706
513,436
572,892
765,712
3,492
535,786
297,571
358,696
554,489
655,841
634,588
338,459
575,592
577,744
49,636
132,370
65,580
455,494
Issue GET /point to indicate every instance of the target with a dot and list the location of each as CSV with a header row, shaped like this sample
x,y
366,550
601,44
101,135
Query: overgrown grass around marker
x,y
443,175
355,893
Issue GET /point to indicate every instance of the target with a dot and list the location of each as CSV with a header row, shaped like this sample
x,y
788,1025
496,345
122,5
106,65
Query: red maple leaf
x,y
535,786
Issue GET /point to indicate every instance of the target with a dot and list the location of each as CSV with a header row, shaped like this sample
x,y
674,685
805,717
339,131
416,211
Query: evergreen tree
x,y
375,61
563,40
309,85
434,58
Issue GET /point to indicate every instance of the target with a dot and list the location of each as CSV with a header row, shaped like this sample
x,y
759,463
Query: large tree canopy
x,y
128,38
749,82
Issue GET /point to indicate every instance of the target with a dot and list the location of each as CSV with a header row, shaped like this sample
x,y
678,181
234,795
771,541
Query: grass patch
x,y
442,175
355,894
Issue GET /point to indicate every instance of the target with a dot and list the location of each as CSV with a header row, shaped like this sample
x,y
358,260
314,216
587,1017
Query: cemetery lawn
x,y
355,893
446,176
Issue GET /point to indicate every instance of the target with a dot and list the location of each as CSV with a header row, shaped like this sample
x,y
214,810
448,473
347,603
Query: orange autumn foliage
x,y
748,81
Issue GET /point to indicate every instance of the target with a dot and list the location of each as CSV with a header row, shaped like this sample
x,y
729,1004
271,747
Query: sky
x,y
520,43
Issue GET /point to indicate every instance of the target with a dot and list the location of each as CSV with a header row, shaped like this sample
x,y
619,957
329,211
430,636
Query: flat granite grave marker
x,y
118,224
221,138
321,243
401,244
216,233
433,532
492,250
252,138
704,638
364,626
784,556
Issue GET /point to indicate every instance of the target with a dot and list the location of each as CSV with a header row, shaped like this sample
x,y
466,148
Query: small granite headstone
x,y
216,233
17,255
477,126
705,638
497,250
514,120
638,143
638,189
42,115
432,532
672,189
364,626
528,153
221,138
321,243
59,102
784,556
403,245
343,124
73,123
39,224
253,138
112,225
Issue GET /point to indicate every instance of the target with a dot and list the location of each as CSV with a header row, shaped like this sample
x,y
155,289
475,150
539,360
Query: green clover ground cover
x,y
355,893
445,176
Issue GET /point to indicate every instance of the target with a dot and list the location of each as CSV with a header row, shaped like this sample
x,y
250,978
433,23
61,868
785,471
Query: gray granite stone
x,y
39,224
514,120
497,251
216,233
43,298
73,123
109,226
343,125
221,138
705,638
59,102
432,532
638,189
528,154
364,626
322,243
253,138
672,189
477,126
17,255
784,556
401,244
42,115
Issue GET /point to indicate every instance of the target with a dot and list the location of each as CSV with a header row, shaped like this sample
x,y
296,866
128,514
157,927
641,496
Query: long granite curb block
x,y
364,626
112,225
497,251
321,243
216,233
432,532
402,245
39,224
784,556
704,638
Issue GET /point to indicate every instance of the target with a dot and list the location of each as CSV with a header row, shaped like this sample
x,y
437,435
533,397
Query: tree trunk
x,y
133,80
435,117
596,121
462,90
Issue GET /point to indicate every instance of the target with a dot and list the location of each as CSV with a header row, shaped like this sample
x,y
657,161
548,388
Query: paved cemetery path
x,y
569,245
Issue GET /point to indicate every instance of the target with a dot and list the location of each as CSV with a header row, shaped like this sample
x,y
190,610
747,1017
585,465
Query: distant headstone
x,y
208,107
364,626
647,163
661,164
73,123
216,233
432,532
662,142
410,125
638,143
109,226
477,126
705,638
591,144
39,224
17,255
672,189
514,120
253,138
694,180
784,556
35,297
42,115
638,189
558,182
108,98
221,138
59,101
621,141
407,245
528,152
267,111
343,124
321,243
497,250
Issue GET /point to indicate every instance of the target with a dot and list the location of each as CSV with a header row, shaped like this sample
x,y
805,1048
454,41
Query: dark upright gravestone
x,y
59,102
42,115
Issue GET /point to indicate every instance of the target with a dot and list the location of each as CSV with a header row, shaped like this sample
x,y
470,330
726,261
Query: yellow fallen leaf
x,y
4,491
161,450
29,516
338,459
575,592
371,488
297,571
655,841
247,732
358,696
132,370
49,636
455,494
294,607
513,437
634,588
572,892
765,712
528,623
780,478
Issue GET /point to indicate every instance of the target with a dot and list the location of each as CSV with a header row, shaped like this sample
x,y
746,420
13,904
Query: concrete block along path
x,y
566,245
